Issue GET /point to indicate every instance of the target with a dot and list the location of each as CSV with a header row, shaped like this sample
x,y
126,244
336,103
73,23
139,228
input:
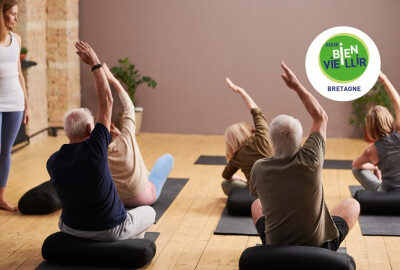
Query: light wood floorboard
x,y
186,229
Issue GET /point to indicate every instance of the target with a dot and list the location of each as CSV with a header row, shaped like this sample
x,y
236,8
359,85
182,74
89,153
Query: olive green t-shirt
x,y
256,148
292,197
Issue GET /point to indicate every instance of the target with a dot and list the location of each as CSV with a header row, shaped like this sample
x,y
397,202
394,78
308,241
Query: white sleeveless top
x,y
11,93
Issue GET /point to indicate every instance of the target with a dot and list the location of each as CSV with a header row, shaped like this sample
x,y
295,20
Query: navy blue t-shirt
x,y
82,179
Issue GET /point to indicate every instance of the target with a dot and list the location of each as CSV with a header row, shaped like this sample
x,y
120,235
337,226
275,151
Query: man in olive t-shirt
x,y
291,209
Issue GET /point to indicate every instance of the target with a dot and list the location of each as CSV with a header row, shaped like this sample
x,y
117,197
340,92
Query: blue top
x,y
388,149
82,179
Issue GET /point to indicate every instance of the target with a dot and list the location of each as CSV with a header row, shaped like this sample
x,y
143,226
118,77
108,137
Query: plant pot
x,y
22,57
138,117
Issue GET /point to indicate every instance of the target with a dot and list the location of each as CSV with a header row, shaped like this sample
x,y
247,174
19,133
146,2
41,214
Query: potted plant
x,y
129,76
23,53
360,106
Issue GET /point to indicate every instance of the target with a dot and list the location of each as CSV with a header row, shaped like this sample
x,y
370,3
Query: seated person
x,y
383,156
135,186
79,171
290,209
244,144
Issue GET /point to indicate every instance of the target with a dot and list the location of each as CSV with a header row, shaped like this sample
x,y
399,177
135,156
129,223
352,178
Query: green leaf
x,y
129,76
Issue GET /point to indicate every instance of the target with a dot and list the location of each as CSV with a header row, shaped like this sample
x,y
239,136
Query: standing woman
x,y
377,168
13,98
244,144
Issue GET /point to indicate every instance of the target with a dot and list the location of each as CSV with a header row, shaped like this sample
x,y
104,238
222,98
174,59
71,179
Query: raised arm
x,y
112,80
103,92
394,96
317,113
246,98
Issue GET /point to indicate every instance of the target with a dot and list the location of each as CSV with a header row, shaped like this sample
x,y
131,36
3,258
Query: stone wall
x,y
63,74
48,29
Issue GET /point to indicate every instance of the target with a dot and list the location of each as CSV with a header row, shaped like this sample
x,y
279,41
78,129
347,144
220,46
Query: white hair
x,y
285,135
75,122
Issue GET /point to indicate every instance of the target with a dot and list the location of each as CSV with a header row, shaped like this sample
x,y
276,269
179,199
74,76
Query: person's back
x,y
136,186
376,168
244,144
290,209
292,197
80,175
388,149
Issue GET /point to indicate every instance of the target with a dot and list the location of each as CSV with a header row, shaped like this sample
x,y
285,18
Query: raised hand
x,y
86,53
234,87
289,77
247,99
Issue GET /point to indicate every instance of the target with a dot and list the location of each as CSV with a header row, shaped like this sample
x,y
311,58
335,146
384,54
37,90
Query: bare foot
x,y
6,206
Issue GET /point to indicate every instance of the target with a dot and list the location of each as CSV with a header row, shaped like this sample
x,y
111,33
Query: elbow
x,y
107,101
355,164
321,116
226,175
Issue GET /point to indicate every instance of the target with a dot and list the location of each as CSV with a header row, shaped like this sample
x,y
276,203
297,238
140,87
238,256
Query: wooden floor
x,y
186,240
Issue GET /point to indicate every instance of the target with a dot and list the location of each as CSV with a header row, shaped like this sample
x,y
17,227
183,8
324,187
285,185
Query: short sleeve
x,y
229,171
99,140
260,123
49,165
313,150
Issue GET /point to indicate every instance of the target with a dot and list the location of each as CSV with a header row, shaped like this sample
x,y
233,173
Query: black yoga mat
x,y
171,189
338,164
211,160
235,225
152,236
377,225
221,160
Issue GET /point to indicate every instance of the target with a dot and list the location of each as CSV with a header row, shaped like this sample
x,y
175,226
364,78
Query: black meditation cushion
x,y
379,203
239,202
40,200
62,248
294,257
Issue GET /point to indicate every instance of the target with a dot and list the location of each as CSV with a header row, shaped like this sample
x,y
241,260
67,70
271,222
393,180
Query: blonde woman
x,y
244,144
14,107
377,168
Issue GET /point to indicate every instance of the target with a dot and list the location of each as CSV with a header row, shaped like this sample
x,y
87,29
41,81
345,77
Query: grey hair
x,y
285,135
75,122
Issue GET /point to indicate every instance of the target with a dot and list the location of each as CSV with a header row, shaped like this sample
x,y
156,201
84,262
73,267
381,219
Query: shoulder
x,y
261,163
100,133
100,128
51,160
370,150
17,37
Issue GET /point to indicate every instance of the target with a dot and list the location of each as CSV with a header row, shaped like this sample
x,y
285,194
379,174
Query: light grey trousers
x,y
137,221
228,185
367,179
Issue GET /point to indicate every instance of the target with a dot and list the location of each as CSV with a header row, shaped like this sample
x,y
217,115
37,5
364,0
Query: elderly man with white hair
x,y
80,174
290,209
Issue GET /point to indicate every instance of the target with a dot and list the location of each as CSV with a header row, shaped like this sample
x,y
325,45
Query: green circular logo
x,y
343,58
